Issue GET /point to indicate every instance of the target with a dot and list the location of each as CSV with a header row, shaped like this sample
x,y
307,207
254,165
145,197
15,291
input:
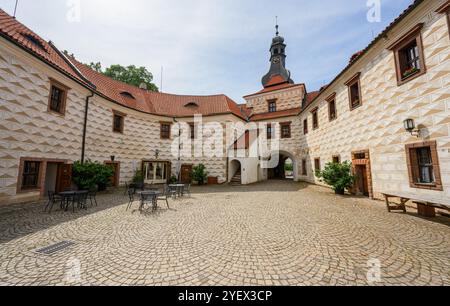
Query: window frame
x,y
269,135
165,135
338,157
64,89
304,167
315,118
445,9
354,80
35,174
270,103
317,164
305,127
122,123
413,166
192,131
284,125
415,34
332,100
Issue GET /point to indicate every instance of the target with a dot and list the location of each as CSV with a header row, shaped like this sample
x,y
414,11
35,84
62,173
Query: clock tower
x,y
278,74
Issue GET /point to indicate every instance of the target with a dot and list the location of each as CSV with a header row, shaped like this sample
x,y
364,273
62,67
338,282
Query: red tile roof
x,y
276,80
159,103
144,101
19,34
275,88
275,115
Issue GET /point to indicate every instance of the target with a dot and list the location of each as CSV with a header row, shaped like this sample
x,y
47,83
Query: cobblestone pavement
x,y
275,233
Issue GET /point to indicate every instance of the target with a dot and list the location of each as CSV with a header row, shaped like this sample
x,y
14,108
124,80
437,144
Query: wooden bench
x,y
426,205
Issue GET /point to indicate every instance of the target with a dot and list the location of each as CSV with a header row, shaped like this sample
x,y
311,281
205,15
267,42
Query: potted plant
x,y
199,174
410,72
338,176
90,175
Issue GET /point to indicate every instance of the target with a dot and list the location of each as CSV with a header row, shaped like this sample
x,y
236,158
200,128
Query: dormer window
x,y
191,105
35,41
128,95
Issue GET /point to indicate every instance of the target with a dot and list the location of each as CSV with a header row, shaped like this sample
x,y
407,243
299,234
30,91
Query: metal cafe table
x,y
179,188
73,196
149,196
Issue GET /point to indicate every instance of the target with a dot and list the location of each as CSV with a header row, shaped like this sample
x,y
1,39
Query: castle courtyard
x,y
271,233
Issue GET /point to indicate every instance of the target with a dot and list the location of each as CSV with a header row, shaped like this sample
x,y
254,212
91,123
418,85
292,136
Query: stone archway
x,y
279,171
235,171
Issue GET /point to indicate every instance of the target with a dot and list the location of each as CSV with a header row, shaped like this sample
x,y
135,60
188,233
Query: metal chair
x,y
81,199
52,199
187,189
131,197
126,188
92,195
172,191
165,196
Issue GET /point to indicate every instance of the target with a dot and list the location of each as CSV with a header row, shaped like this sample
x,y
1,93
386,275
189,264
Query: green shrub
x,y
91,175
138,177
199,174
288,167
337,175
173,179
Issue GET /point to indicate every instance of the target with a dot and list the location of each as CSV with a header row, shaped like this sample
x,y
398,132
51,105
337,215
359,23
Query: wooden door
x,y
115,177
186,174
64,178
361,180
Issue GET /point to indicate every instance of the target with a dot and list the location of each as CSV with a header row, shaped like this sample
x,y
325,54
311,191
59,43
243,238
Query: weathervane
x,y
276,26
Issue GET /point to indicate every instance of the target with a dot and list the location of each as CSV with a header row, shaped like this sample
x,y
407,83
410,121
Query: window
x,y
423,166
336,159
165,130
305,126
286,130
409,57
272,106
315,116
304,169
30,175
118,122
57,98
354,91
317,164
332,114
270,131
192,129
156,171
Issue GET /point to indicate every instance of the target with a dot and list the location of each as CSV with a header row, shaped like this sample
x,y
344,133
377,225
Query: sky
x,y
210,46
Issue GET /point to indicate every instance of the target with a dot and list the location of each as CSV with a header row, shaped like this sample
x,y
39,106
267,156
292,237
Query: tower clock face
x,y
276,60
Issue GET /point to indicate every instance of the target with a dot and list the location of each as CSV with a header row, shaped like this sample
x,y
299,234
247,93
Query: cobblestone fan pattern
x,y
267,234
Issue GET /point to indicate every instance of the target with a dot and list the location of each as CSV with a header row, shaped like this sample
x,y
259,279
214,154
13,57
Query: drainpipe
x,y
86,110
179,148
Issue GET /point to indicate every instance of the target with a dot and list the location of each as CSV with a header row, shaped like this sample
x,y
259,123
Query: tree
x,y
96,66
132,75
199,174
337,175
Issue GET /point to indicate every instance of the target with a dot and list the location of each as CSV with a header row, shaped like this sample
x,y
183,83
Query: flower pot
x,y
340,191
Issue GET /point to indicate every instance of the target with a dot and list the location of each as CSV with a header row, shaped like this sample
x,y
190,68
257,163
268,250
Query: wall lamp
x,y
410,127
